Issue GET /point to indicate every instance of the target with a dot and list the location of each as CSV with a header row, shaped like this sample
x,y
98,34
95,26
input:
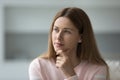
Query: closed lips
x,y
59,44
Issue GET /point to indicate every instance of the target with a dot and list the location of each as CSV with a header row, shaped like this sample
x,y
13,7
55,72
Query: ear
x,y
80,39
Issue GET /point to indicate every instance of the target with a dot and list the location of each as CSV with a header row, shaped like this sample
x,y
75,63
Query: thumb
x,y
64,53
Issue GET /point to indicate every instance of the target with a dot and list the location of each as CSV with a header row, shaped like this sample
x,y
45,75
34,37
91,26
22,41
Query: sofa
x,y
114,68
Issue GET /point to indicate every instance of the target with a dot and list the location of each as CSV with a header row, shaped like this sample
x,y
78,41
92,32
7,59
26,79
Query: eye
x,y
67,31
55,29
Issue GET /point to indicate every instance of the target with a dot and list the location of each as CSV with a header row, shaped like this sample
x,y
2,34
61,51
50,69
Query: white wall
x,y
1,33
30,19
104,15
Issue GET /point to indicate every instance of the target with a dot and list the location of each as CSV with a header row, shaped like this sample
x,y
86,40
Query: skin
x,y
65,38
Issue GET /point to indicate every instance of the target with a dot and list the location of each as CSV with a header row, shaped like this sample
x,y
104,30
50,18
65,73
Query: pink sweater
x,y
44,69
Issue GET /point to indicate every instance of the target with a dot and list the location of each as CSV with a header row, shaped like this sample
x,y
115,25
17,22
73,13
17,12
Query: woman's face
x,y
64,35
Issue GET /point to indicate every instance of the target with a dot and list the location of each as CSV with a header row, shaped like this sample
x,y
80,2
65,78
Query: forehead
x,y
63,22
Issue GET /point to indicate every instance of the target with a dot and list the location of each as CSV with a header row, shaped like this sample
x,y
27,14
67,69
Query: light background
x,y
24,26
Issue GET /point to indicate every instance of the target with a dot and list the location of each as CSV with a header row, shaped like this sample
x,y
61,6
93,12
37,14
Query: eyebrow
x,y
63,28
68,29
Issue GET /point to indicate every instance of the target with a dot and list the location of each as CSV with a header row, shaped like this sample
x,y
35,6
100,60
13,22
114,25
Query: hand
x,y
63,62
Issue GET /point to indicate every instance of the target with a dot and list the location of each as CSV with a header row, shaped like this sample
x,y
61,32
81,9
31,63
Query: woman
x,y
72,51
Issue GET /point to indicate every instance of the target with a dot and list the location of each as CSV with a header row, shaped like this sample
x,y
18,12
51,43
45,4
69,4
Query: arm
x,y
34,70
64,62
101,74
75,77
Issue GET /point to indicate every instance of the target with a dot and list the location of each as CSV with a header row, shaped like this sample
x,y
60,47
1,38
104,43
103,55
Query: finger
x,y
65,53
58,53
58,63
59,58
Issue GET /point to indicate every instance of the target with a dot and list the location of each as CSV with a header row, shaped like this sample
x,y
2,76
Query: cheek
x,y
53,36
71,42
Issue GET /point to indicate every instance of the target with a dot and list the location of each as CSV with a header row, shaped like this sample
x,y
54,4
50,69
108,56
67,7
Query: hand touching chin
x,y
64,63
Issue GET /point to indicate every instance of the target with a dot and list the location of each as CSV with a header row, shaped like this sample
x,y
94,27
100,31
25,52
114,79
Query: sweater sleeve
x,y
75,77
101,74
34,70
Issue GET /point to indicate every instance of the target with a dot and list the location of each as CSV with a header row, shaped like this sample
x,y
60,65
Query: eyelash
x,y
67,31
57,30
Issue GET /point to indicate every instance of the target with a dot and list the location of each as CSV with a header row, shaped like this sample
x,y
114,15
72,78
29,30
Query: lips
x,y
58,44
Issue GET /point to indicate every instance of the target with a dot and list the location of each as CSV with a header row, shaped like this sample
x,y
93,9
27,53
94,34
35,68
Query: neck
x,y
74,59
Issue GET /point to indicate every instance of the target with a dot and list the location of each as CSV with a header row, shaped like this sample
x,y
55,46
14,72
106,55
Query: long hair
x,y
86,50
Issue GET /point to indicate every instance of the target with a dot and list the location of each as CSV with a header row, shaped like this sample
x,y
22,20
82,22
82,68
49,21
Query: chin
x,y
57,50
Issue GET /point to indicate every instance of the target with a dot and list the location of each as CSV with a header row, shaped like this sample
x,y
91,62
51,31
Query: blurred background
x,y
24,27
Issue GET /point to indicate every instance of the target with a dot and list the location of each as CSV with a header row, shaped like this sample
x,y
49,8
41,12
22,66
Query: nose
x,y
60,35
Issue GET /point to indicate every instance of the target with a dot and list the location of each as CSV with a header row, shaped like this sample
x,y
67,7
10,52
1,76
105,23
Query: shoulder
x,y
91,65
98,71
38,65
37,68
92,68
101,72
97,67
93,71
34,65
39,62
